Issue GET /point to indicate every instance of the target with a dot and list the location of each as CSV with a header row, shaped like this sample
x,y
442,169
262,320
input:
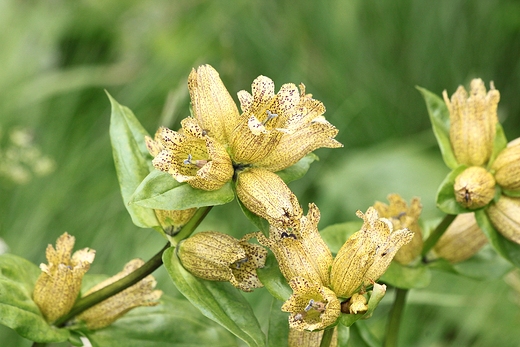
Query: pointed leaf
x,y
273,280
298,170
499,144
406,277
159,190
278,333
446,201
17,309
174,322
440,119
131,160
218,301
507,249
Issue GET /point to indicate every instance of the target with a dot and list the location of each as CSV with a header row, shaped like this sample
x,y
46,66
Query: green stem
x,y
437,233
392,330
150,266
326,338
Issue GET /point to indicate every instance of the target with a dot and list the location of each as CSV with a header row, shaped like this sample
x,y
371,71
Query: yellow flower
x,y
357,304
109,310
474,187
303,338
173,220
461,240
59,283
301,252
507,166
473,122
401,217
312,306
191,156
505,216
266,195
366,254
219,257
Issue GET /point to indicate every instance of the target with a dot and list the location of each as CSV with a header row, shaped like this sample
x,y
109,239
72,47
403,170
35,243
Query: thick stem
x,y
394,322
326,338
150,266
437,233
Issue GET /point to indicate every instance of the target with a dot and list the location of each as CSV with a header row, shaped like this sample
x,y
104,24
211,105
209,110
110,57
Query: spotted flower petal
x,y
59,283
312,306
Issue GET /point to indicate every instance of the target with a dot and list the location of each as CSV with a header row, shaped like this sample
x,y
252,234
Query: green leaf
x,y
273,280
508,249
406,277
361,336
278,333
174,322
440,119
298,170
499,144
219,301
131,160
337,234
446,201
161,191
17,309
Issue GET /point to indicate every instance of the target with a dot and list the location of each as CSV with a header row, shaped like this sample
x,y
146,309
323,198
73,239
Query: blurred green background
x,y
363,59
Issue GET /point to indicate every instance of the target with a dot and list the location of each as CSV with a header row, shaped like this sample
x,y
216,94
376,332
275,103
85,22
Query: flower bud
x,y
474,187
303,338
59,283
219,257
505,216
402,217
473,122
173,220
507,166
311,305
109,310
461,240
266,195
356,304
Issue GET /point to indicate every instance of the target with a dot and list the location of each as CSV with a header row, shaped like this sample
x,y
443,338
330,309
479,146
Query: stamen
x,y
269,117
198,163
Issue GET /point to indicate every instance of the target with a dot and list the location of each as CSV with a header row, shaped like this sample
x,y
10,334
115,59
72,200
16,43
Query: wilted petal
x,y
212,105
109,310
59,283
312,306
473,122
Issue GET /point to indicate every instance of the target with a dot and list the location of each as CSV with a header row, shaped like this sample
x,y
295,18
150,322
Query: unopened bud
x,y
172,221
505,216
507,167
474,187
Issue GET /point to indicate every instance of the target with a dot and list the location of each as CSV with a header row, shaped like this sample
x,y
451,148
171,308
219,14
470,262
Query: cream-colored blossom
x,y
505,217
312,306
59,283
173,220
461,240
402,216
507,166
266,195
304,338
109,310
474,187
191,156
219,257
473,122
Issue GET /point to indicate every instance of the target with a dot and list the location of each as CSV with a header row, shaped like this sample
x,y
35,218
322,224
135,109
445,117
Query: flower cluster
x,y
59,284
489,180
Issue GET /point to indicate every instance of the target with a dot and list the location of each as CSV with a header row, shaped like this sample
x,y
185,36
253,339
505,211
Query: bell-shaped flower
x,y
461,240
219,257
109,310
212,105
507,167
473,122
191,156
304,338
59,283
266,195
474,187
402,216
312,306
505,217
173,220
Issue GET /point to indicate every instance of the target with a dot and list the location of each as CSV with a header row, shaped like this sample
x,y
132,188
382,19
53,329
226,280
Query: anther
x,y
269,117
309,306
188,161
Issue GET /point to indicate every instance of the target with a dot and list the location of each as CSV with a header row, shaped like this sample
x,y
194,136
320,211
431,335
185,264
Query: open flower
x,y
312,306
402,216
473,122
219,257
59,283
109,310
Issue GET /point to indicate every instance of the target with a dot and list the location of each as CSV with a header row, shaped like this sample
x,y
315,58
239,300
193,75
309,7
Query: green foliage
x,y
216,300
273,280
